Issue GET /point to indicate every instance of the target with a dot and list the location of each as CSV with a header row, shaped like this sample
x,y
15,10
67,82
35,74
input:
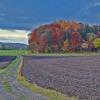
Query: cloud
x,y
91,12
96,4
19,36
91,5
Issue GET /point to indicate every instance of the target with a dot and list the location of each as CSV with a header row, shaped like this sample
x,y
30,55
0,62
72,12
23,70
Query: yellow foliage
x,y
97,43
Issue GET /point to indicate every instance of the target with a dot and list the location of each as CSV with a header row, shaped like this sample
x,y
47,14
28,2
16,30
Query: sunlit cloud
x,y
19,36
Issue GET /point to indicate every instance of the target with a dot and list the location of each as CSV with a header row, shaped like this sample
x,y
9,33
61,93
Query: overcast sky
x,y
16,36
26,14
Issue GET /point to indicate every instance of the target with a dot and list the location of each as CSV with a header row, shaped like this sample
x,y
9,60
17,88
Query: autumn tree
x,y
90,38
63,34
97,43
84,46
75,40
66,46
98,34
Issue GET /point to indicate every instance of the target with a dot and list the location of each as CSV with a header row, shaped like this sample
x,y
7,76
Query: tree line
x,y
65,36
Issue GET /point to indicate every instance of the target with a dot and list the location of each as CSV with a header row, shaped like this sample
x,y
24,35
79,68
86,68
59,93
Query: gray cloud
x,y
19,36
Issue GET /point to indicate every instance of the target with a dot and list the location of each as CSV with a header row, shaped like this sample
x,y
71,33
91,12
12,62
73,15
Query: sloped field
x,y
73,76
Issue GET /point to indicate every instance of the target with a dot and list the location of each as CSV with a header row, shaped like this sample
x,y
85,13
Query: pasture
x,y
13,52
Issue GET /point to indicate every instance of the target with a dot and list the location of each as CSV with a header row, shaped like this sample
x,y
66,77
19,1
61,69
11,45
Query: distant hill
x,y
12,46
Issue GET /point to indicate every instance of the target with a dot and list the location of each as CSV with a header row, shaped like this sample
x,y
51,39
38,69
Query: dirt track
x,y
13,90
73,76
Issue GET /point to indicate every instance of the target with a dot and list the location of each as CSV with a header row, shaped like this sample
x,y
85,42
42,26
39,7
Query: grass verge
x,y
7,86
13,52
28,52
53,95
6,71
2,70
67,54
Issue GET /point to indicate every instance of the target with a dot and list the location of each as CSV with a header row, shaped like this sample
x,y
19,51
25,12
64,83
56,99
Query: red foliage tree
x,y
75,40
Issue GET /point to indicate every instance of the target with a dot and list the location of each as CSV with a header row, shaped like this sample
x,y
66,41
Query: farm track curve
x,y
13,90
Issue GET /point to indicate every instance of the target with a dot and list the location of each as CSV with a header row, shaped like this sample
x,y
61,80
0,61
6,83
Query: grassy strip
x,y
13,52
7,86
27,52
68,54
2,70
11,64
6,72
53,95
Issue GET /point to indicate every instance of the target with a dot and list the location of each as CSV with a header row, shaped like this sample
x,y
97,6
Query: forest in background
x,y
65,36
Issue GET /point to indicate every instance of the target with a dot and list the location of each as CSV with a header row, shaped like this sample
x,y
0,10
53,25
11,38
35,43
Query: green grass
x,y
8,68
23,97
13,52
27,52
52,94
2,70
7,72
66,54
7,86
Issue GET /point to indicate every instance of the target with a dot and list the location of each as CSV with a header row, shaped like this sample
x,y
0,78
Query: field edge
x,y
52,94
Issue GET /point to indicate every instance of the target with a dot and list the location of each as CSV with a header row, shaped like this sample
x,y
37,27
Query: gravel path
x,y
13,90
73,76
